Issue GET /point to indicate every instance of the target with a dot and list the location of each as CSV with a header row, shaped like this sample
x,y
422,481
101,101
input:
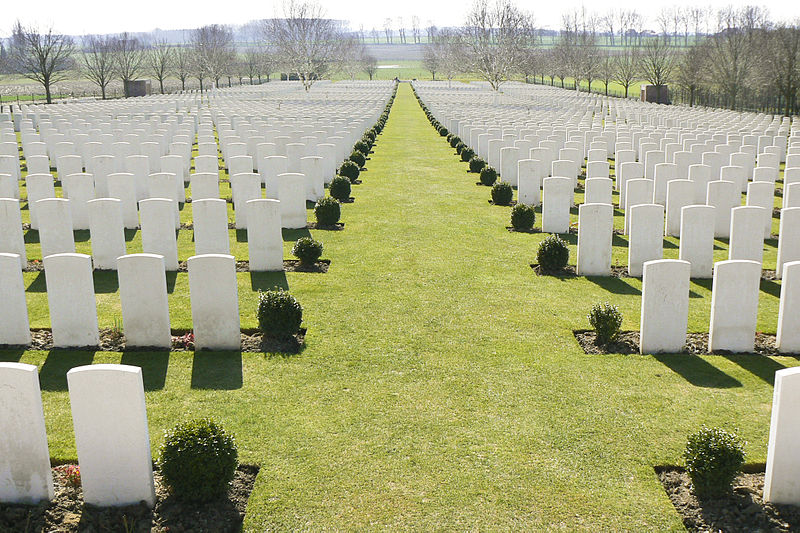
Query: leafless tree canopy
x,y
128,58
44,57
494,39
307,44
159,61
213,54
657,61
97,61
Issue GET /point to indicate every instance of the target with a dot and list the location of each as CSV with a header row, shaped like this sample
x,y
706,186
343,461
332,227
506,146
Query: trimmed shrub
x,y
349,170
522,217
358,158
450,139
606,321
362,147
307,250
454,140
198,460
340,188
488,175
279,314
466,154
553,254
459,147
327,211
442,131
476,164
371,134
502,193
714,458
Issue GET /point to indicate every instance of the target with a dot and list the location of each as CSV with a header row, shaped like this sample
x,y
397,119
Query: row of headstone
x,y
213,292
111,436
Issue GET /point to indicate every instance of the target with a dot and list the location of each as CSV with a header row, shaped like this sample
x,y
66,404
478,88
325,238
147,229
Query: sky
x,y
101,16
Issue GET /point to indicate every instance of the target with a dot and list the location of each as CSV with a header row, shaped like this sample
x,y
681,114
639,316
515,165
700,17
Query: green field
x,y
441,387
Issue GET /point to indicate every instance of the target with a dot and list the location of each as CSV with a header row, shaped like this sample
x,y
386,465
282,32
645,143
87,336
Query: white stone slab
x,y
14,326
143,294
215,302
264,238
734,305
70,297
665,306
646,238
595,231
158,230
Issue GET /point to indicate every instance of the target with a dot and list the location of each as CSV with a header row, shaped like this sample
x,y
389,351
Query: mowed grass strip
x,y
442,387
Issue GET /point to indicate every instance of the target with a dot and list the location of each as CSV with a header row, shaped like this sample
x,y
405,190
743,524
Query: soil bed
x,y
289,265
112,340
532,230
67,512
510,204
743,510
339,226
570,271
696,344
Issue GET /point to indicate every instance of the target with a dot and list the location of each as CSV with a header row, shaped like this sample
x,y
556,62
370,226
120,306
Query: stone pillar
x,y
55,226
646,238
158,230
70,296
734,306
557,200
143,294
11,238
292,194
106,231
697,239
25,475
747,234
14,327
210,218
783,460
215,302
111,434
264,238
665,306
595,231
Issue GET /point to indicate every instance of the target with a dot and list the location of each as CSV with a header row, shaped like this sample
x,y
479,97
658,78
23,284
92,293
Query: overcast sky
x,y
104,16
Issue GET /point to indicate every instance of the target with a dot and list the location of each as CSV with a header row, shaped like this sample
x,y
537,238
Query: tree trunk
x,y
47,92
161,85
183,84
103,91
201,85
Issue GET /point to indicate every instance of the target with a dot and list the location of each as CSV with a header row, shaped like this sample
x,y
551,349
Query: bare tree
x,y
128,58
430,30
159,61
696,16
732,52
375,35
781,63
610,21
415,29
401,30
183,63
432,58
213,52
369,64
657,61
252,62
387,29
306,42
606,69
44,57
97,61
627,67
494,39
349,61
691,70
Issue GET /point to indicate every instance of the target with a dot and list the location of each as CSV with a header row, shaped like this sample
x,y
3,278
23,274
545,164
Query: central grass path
x,y
441,387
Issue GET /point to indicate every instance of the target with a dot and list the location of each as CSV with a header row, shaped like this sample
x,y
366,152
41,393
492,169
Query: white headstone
x,y
264,240
788,238
783,462
12,239
291,193
697,239
645,238
723,196
14,326
734,305
595,231
158,230
107,232
215,302
665,306
556,202
111,434
747,234
55,226
70,296
122,186
143,294
210,218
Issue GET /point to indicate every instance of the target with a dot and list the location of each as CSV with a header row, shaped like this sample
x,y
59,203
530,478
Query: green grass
x,y
441,387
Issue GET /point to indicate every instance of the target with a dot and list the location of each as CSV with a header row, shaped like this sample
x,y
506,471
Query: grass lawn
x,y
441,387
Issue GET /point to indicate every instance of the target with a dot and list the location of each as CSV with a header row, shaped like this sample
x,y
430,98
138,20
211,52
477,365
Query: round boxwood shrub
x,y
450,139
606,321
307,250
358,158
476,164
454,140
488,175
442,131
362,147
340,188
279,314
522,217
327,211
714,458
198,460
467,153
459,147
502,193
371,134
553,254
349,170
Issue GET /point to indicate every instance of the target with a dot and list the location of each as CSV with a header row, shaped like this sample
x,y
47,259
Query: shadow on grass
x,y
669,244
105,281
771,288
619,240
291,235
12,355
53,375
153,365
614,285
264,281
705,283
217,370
32,236
130,234
172,276
697,371
81,235
241,235
38,284
760,366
